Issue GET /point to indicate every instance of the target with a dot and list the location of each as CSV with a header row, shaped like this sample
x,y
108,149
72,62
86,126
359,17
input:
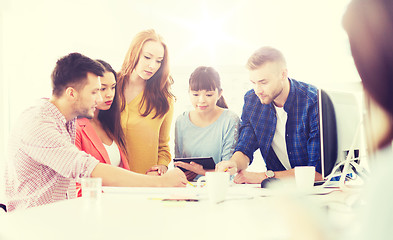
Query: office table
x,y
140,213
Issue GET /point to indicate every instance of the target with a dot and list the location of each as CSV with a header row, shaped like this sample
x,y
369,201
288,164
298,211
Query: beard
x,y
270,98
86,116
84,112
265,99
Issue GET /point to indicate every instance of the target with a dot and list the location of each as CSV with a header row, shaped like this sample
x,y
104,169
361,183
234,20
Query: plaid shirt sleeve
x,y
247,142
230,136
52,146
313,143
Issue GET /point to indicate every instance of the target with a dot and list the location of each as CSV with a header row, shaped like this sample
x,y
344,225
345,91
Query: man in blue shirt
x,y
280,118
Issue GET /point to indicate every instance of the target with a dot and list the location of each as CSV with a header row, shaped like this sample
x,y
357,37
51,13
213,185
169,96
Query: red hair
x,y
157,91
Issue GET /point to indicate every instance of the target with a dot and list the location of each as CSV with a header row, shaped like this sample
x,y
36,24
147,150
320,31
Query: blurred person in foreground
x,y
369,25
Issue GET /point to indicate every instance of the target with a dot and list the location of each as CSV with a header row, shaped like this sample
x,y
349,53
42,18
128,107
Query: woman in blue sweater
x,y
210,130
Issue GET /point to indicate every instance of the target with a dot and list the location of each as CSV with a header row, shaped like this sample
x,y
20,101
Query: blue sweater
x,y
217,140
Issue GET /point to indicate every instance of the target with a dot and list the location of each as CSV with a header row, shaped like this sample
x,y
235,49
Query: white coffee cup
x,y
305,177
217,184
91,188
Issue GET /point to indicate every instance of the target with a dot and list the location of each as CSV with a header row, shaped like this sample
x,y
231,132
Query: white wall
x,y
221,33
3,116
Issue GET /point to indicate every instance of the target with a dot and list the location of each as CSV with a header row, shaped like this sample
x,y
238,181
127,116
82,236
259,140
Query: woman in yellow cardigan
x,y
146,103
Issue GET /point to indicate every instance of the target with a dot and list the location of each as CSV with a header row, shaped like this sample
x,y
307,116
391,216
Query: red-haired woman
x,y
146,103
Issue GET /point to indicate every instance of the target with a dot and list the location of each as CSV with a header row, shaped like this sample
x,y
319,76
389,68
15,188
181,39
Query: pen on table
x,y
156,199
226,169
190,183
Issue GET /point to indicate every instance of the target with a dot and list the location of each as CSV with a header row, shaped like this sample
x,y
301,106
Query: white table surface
x,y
140,213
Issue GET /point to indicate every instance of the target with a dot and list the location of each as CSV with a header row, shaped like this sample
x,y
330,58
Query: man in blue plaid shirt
x,y
280,118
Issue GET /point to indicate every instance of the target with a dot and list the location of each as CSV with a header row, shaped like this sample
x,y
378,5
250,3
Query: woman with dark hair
x,y
369,25
102,136
210,130
146,103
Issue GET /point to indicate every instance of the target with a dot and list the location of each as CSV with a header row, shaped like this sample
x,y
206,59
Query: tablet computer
x,y
207,162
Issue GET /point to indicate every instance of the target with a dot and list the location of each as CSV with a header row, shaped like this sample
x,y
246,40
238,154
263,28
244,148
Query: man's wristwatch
x,y
269,174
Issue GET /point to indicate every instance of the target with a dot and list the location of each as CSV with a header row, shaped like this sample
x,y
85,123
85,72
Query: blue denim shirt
x,y
302,128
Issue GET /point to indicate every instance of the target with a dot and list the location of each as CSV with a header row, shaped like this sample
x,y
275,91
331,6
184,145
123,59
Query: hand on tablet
x,y
192,166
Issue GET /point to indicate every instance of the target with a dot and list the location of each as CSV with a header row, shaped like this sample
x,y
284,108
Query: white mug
x,y
217,184
305,177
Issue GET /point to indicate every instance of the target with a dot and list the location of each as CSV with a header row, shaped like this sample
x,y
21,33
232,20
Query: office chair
x,y
329,131
2,206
